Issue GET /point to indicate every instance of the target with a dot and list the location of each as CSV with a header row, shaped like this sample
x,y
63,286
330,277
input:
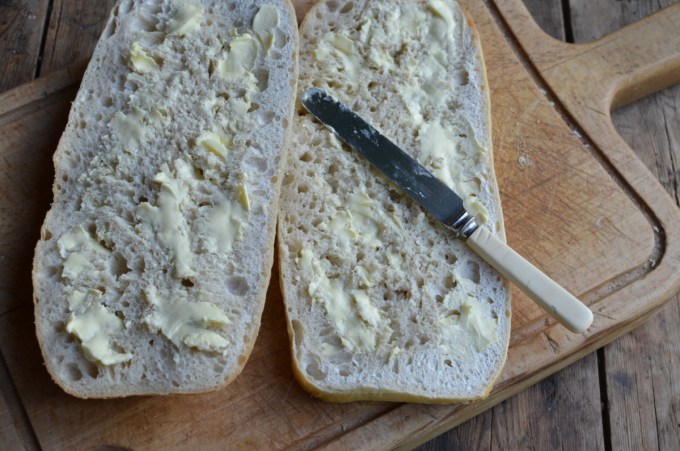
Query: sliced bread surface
x,y
383,302
152,268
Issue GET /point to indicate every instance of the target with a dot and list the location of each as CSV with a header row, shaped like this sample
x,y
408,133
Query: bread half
x,y
152,268
383,302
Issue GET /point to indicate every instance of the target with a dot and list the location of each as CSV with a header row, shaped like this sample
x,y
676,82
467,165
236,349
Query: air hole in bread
x,y
82,124
52,271
462,78
471,271
45,234
450,282
242,359
175,383
119,265
231,7
448,362
280,38
187,283
306,157
303,189
253,107
262,77
450,259
332,169
347,8
266,117
344,373
120,314
314,370
91,369
73,373
260,163
237,285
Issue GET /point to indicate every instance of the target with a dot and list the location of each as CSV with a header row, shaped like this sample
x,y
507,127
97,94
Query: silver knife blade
x,y
419,183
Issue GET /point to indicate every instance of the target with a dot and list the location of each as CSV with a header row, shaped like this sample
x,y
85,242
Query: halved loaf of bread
x,y
152,268
383,302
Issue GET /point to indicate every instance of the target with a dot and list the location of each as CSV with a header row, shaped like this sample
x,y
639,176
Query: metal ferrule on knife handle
x,y
464,225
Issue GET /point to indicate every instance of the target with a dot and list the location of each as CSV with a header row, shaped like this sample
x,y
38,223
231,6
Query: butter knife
x,y
447,207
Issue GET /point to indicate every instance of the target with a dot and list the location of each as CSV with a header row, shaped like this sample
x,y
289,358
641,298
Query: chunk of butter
x,y
473,318
187,18
442,22
93,329
264,23
224,225
168,222
363,220
239,60
358,322
243,196
80,297
141,61
129,127
186,322
215,143
78,248
336,48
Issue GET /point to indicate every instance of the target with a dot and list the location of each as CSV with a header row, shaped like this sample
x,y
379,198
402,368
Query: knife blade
x,y
447,207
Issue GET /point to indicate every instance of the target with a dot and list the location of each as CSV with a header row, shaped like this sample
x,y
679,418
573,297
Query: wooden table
x,y
638,406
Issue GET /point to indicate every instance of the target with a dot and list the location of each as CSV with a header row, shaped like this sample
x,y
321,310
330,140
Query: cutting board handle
x,y
619,68
637,60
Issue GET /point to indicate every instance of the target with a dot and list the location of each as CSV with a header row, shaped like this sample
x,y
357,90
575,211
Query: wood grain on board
x,y
541,161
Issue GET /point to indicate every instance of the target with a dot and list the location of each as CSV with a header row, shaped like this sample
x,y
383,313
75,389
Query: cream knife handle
x,y
554,299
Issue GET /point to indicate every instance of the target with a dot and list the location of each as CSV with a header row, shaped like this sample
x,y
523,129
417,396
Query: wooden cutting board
x,y
576,199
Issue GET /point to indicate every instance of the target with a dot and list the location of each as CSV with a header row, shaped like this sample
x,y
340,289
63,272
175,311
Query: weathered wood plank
x,y
73,31
21,32
15,430
591,20
561,412
641,367
473,434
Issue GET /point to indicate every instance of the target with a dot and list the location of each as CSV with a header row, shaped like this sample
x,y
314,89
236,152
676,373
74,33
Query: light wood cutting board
x,y
577,202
